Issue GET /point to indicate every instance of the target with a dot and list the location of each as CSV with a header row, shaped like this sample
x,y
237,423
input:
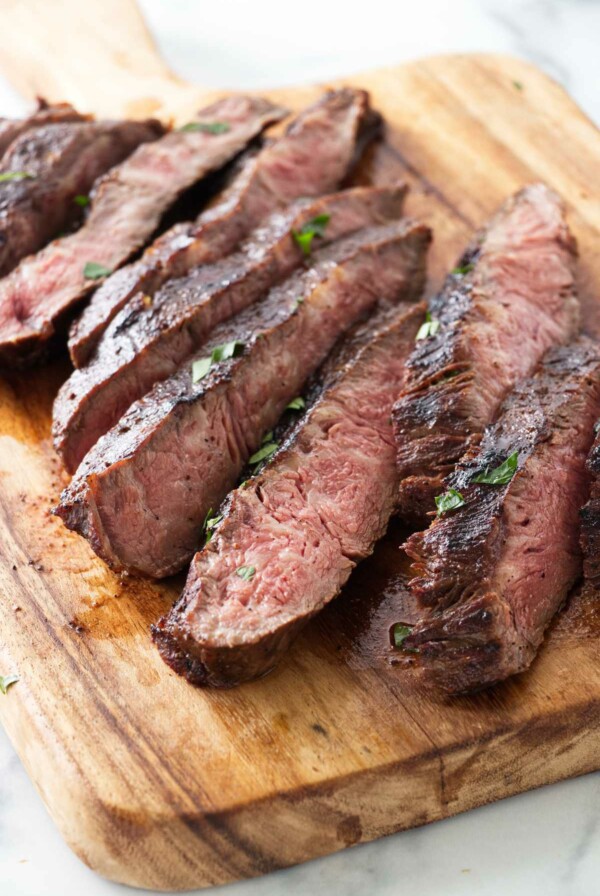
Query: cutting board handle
x,y
96,54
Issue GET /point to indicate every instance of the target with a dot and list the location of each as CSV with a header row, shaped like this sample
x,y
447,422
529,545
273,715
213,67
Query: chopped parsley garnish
x,y
227,350
207,127
463,269
6,176
296,404
219,353
94,271
448,501
313,228
200,368
400,633
7,680
266,450
245,572
429,328
499,475
299,300
211,521
81,200
517,85
267,447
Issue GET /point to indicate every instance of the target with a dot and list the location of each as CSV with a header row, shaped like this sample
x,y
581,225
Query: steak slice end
x,y
491,574
511,297
290,537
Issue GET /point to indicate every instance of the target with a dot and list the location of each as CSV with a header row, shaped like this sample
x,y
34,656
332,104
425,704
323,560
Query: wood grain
x,y
162,786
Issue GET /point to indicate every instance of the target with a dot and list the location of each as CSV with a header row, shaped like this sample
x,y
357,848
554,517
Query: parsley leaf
x,y
219,353
211,521
94,271
265,451
296,404
517,85
200,368
499,475
6,176
462,269
81,200
245,572
429,328
7,680
227,350
313,228
400,633
267,448
206,127
448,501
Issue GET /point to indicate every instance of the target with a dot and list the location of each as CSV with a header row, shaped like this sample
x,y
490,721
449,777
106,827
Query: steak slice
x,y
290,538
148,340
141,493
311,158
590,519
492,573
511,297
127,205
58,162
12,128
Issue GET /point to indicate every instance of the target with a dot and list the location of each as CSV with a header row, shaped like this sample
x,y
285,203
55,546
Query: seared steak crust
x,y
12,128
491,574
149,339
511,297
590,518
311,158
61,161
141,493
302,525
127,205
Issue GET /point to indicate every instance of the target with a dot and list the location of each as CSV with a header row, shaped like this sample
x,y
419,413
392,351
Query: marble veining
x,y
545,843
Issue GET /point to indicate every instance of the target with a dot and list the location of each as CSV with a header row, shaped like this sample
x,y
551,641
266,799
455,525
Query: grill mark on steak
x,y
141,494
311,158
63,161
147,341
12,128
590,518
496,320
491,575
303,524
127,205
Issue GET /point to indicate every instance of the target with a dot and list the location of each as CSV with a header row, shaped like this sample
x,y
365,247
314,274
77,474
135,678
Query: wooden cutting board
x,y
163,786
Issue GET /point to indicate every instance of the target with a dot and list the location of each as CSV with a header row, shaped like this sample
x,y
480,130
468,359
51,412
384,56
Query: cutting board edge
x,y
115,841
340,822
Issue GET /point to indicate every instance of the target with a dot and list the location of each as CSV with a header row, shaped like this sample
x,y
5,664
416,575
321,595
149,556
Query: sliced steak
x,y
311,158
148,340
492,573
510,298
52,165
141,493
126,209
290,538
12,128
590,519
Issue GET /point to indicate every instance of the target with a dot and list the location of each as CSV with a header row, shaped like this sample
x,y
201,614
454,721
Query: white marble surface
x,y
545,843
